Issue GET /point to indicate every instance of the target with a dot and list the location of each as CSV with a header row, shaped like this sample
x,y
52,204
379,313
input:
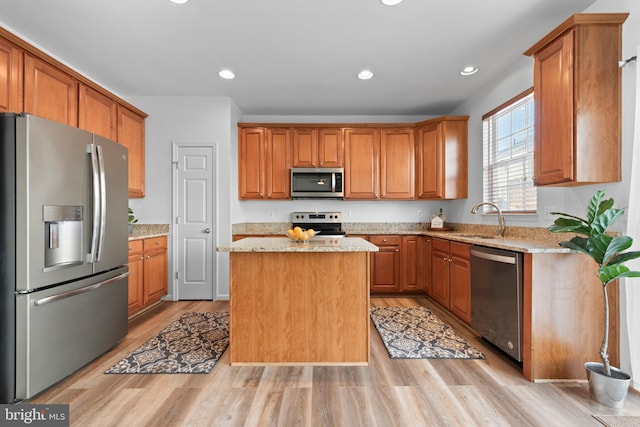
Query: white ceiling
x,y
292,57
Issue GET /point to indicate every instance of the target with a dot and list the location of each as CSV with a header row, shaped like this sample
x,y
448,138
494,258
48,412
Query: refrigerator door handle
x,y
91,149
103,202
89,288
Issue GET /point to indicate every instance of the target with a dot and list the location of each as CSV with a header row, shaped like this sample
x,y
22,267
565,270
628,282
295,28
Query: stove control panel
x,y
316,217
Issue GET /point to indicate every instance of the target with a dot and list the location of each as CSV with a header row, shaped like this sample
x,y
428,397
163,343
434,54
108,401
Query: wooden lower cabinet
x,y
410,267
451,277
386,264
148,272
424,263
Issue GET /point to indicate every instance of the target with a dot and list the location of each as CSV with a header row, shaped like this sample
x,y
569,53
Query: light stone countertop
x,y
146,231
519,239
284,244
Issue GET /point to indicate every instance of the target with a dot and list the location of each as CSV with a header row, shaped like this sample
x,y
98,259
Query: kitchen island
x,y
299,303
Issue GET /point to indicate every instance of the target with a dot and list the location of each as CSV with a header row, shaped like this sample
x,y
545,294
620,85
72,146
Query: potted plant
x,y
607,385
132,220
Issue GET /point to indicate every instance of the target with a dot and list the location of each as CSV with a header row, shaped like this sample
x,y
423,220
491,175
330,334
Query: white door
x,y
194,209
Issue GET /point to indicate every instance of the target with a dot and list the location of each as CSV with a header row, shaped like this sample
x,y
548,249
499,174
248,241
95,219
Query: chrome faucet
x,y
501,224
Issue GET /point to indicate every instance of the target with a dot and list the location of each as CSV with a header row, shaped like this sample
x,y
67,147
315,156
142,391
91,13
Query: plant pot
x,y
610,391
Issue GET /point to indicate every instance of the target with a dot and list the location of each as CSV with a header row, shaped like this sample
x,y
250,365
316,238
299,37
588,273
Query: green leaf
x,y
609,273
602,222
593,207
597,247
627,256
616,245
577,244
570,225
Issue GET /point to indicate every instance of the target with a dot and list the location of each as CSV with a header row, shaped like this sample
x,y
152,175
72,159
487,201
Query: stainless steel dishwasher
x,y
496,297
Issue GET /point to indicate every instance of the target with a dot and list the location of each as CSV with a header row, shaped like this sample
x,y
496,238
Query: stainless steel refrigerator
x,y
63,251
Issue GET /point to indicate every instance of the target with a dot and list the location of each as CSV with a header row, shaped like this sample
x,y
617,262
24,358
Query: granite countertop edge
x,y
519,239
147,231
284,244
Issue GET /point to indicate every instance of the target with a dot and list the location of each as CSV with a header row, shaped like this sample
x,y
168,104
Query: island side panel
x,y
299,308
565,320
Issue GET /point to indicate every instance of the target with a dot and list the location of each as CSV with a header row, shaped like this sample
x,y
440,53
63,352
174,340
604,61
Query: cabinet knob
x,y
148,257
142,257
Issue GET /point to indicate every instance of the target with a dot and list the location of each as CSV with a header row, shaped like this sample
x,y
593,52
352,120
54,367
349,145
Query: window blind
x,y
508,156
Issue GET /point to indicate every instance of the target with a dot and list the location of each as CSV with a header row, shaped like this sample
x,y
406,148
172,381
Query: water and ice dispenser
x,y
62,236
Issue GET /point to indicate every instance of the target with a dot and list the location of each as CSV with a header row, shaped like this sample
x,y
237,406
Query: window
x,y
508,155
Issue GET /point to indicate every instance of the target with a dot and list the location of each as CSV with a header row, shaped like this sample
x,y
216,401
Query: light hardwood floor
x,y
489,392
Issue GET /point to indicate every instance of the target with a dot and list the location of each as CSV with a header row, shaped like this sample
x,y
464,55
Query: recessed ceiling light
x,y
390,2
468,70
365,75
227,74
179,1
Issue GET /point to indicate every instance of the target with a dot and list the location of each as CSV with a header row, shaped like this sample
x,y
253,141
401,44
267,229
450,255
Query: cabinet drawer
x,y
155,243
135,246
440,245
385,240
462,250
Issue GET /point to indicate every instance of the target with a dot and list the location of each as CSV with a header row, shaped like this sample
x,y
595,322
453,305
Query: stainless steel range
x,y
328,223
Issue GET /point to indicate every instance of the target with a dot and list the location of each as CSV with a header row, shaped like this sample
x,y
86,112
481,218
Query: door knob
x,y
207,230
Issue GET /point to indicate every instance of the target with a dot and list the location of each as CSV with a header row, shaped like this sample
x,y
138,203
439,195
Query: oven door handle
x,y
89,288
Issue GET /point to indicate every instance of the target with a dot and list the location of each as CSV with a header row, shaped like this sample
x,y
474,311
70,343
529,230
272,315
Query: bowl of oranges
x,y
301,235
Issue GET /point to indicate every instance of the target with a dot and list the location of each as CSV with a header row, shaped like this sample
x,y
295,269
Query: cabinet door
x,y
278,164
136,283
397,160
251,152
553,102
430,166
131,135
97,113
362,163
330,148
424,264
411,263
155,275
49,92
386,264
11,84
460,281
305,148
440,272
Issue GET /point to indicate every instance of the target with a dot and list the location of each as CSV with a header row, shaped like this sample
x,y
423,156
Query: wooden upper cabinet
x,y
305,148
278,164
577,97
264,163
97,113
251,154
442,158
317,148
362,160
397,163
330,148
49,92
131,135
11,74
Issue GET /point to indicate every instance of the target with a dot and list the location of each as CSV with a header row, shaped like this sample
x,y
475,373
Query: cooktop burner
x,y
328,223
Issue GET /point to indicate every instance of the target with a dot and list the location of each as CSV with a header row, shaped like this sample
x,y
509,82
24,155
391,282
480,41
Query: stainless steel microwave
x,y
317,183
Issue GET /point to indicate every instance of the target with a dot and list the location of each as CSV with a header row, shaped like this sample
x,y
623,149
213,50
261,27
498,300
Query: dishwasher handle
x,y
504,259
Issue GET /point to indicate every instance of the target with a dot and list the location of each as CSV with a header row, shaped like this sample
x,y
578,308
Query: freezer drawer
x,y
59,330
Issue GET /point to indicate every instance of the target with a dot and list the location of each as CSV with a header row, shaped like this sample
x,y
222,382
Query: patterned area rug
x,y
190,345
416,333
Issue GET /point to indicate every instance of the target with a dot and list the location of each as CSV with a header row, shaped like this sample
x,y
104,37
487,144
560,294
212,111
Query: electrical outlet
x,y
271,214
547,212
347,214
419,214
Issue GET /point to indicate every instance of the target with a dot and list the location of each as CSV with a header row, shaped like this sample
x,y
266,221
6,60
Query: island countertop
x,y
284,244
